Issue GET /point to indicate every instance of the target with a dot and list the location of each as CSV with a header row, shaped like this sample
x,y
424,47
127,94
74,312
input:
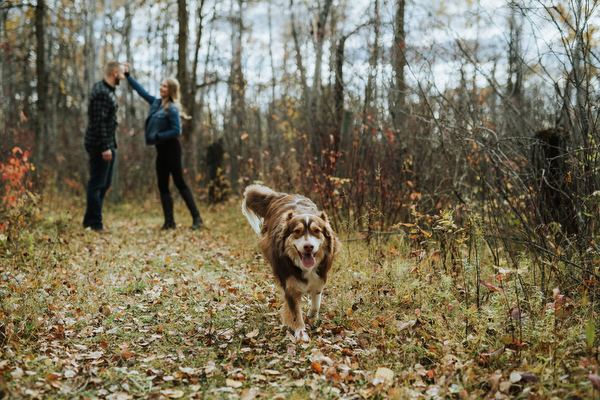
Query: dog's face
x,y
305,238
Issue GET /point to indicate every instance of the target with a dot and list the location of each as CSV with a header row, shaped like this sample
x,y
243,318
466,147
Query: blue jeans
x,y
100,179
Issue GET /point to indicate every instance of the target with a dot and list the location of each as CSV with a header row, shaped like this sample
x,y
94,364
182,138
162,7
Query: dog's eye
x,y
298,231
316,231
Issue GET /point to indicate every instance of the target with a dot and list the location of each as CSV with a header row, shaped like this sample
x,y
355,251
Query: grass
x,y
144,313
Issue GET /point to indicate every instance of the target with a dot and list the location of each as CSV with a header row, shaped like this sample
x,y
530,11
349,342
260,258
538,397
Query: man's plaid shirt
x,y
102,114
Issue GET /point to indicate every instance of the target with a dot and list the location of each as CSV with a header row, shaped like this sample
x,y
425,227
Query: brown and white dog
x,y
297,240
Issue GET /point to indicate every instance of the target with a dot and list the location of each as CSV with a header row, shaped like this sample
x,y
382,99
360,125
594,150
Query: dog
x,y
299,243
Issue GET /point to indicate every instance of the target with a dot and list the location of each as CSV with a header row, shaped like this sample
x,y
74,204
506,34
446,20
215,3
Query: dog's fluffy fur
x,y
297,240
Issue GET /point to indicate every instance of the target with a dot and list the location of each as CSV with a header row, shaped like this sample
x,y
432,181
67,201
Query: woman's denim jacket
x,y
160,125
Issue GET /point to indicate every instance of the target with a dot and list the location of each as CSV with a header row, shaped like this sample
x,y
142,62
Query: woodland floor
x,y
144,313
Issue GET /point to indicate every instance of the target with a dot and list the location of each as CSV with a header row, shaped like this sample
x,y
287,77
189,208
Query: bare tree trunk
x,y
580,78
398,109
182,64
130,106
370,90
41,131
582,127
305,90
54,93
338,89
3,98
514,86
89,50
205,85
193,107
270,117
90,70
165,40
237,89
316,97
515,57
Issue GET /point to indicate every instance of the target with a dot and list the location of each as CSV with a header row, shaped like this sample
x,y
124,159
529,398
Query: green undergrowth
x,y
144,313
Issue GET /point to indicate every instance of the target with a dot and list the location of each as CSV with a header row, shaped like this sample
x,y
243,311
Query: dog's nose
x,y
308,248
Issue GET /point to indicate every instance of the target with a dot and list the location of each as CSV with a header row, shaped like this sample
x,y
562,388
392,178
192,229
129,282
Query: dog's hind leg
x,y
291,314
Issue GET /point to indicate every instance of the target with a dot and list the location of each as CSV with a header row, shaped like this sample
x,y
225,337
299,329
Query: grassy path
x,y
141,313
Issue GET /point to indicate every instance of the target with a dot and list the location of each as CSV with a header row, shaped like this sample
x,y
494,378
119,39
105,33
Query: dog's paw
x,y
313,316
302,335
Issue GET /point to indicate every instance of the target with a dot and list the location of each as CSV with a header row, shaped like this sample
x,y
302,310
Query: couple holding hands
x,y
162,129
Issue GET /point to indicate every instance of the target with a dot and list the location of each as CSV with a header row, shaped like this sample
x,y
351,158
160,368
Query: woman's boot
x,y
167,204
188,197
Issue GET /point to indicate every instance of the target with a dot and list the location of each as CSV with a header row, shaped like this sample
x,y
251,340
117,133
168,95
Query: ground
x,y
143,313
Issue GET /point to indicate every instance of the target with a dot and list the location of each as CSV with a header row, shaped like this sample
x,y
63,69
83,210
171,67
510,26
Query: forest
x,y
451,141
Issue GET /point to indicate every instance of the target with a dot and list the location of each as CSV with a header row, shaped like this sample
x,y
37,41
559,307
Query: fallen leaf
x,y
316,367
249,394
233,383
173,393
515,377
190,371
252,334
272,372
505,387
529,377
119,396
595,379
17,373
384,374
126,354
490,286
494,380
51,377
70,373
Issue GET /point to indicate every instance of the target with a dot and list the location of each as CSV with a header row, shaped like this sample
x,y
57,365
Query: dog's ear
x,y
323,216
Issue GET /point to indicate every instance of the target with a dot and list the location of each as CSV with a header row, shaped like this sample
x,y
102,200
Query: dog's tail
x,y
256,204
254,220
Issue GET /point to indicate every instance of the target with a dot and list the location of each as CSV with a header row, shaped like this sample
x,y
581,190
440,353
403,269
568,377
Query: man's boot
x,y
188,197
167,204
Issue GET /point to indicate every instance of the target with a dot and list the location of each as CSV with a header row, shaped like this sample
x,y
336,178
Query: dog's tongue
x,y
308,260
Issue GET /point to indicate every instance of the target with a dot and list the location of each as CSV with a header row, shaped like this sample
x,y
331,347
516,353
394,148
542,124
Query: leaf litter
x,y
142,313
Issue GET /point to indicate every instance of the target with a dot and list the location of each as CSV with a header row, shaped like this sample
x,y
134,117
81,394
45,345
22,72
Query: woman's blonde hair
x,y
174,92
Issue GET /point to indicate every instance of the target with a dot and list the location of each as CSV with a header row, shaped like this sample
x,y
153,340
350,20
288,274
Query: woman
x,y
163,128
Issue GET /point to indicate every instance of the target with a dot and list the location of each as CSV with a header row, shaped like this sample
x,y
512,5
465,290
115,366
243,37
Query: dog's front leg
x,y
315,305
291,314
315,300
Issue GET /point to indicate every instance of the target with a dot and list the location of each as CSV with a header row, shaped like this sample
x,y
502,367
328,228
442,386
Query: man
x,y
100,142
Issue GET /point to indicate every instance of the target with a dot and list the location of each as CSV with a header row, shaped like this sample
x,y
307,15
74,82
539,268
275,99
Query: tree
x,y
182,62
41,129
398,93
237,90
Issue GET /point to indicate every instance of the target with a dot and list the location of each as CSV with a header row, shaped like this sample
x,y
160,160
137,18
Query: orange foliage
x,y
13,176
